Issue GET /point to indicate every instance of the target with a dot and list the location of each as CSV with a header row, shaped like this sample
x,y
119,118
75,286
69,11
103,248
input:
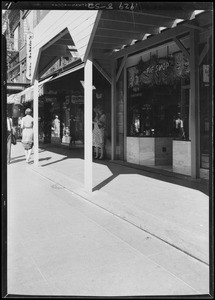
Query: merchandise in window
x,y
156,104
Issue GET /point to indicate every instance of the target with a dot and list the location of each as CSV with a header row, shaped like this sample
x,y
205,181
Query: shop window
x,y
157,112
205,95
156,103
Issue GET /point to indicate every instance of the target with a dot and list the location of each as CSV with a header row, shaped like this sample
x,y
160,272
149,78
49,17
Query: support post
x,y
113,109
121,67
35,116
194,103
88,97
125,113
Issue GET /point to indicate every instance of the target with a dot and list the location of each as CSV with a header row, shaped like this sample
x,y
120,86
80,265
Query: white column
x,y
35,116
113,109
88,97
194,104
125,113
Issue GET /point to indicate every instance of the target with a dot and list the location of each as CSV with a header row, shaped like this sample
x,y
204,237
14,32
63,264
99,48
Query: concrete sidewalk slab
x,y
61,244
174,213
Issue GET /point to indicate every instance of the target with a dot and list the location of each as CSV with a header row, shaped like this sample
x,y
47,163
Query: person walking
x,y
27,133
99,131
9,134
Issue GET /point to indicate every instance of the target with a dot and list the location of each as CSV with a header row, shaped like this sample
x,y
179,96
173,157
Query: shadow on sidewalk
x,y
54,162
15,160
120,167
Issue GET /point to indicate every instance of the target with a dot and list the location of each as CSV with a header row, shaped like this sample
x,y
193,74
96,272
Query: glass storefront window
x,y
159,112
157,103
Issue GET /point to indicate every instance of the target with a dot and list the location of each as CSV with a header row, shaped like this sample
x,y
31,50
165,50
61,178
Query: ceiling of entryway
x,y
117,30
120,29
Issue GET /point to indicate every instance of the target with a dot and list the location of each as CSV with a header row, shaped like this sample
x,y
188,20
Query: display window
x,y
157,104
205,95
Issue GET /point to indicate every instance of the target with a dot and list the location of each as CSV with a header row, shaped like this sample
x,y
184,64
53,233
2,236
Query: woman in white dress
x,y
99,132
27,133
9,133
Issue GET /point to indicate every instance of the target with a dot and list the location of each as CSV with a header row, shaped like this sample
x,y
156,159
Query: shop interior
x,y
64,98
154,112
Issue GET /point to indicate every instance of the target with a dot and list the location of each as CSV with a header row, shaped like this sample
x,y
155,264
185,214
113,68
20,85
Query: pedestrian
x,y
19,127
27,133
99,131
9,134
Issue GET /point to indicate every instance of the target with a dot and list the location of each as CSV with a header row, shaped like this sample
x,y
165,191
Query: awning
x,y
15,87
28,94
14,98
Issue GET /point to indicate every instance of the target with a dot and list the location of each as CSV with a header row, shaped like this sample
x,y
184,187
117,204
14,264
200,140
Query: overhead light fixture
x,y
70,47
177,21
116,50
82,83
197,12
133,42
145,36
162,28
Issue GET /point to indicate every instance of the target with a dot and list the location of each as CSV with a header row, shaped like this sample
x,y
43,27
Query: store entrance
x,y
68,105
76,126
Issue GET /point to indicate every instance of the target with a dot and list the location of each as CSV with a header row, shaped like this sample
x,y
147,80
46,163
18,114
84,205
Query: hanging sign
x,y
206,73
77,99
29,38
158,71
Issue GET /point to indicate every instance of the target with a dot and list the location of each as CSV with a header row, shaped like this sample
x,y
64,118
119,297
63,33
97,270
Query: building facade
x,y
154,78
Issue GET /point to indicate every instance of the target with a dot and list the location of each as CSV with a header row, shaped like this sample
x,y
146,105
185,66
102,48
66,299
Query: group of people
x,y
27,122
27,135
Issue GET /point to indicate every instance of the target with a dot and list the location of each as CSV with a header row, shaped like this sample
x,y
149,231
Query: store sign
x,y
77,99
158,71
29,39
163,65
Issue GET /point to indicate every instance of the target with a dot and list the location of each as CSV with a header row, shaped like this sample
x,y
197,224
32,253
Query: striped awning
x,y
28,94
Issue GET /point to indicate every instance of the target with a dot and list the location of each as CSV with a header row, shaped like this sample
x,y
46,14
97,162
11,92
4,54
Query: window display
x,y
156,103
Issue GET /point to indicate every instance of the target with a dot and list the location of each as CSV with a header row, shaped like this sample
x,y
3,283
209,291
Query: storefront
x,y
154,92
64,97
157,106
154,102
205,78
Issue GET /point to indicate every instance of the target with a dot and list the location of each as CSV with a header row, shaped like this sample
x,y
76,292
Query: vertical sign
x,y
29,38
206,73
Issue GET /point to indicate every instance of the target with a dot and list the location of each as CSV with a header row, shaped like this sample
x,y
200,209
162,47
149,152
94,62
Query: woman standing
x,y
27,133
99,131
9,132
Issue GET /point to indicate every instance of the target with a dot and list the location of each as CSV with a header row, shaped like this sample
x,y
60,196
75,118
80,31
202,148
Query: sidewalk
x,y
173,213
60,243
